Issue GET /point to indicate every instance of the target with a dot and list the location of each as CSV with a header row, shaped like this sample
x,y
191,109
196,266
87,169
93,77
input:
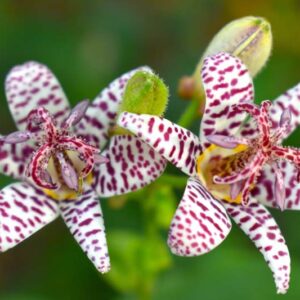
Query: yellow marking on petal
x,y
237,200
212,158
60,194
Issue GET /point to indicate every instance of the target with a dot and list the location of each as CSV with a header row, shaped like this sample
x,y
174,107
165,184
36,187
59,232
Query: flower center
x,y
62,160
232,165
214,161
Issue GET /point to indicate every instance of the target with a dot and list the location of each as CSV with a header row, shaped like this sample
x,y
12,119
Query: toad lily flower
x,y
59,164
235,166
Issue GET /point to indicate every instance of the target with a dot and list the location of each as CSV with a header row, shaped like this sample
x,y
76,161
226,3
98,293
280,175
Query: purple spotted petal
x,y
84,218
176,144
262,229
131,165
279,188
226,82
13,159
23,211
32,85
101,115
265,187
200,223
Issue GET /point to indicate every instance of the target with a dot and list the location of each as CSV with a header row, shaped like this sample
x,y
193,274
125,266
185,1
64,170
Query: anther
x,y
16,137
68,172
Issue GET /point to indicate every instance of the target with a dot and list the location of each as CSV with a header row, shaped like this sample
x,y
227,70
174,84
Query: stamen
x,y
76,114
99,159
235,189
46,176
264,149
225,141
85,151
16,137
51,160
68,173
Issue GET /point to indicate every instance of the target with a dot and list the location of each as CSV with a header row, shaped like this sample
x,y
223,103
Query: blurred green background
x,y
87,44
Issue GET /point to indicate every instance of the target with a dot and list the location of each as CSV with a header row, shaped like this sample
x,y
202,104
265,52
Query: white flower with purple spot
x,y
235,167
56,154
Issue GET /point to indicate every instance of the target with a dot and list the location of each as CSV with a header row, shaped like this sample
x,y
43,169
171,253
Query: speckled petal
x,y
101,115
226,82
23,211
262,229
176,144
31,85
13,159
131,165
200,223
264,188
84,218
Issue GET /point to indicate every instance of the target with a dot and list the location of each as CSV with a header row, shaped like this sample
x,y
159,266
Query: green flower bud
x,y
145,93
248,38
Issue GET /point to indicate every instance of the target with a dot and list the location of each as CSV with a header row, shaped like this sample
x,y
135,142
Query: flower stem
x,y
189,114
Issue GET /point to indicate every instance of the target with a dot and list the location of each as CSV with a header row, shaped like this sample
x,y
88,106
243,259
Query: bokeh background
x,y
89,43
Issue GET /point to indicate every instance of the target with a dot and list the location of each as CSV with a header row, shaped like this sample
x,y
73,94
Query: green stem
x,y
173,180
189,114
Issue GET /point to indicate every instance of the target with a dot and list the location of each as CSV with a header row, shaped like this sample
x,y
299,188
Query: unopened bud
x,y
248,38
145,93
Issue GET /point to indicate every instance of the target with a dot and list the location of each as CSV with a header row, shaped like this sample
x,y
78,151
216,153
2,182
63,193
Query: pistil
x,y
262,150
57,144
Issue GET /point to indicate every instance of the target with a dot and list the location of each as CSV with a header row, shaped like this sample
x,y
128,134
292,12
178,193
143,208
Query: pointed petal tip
x,y
174,248
200,223
104,269
20,67
282,285
281,291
